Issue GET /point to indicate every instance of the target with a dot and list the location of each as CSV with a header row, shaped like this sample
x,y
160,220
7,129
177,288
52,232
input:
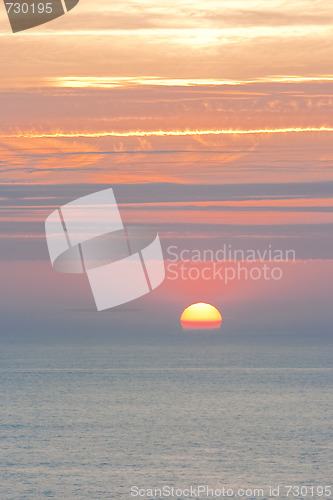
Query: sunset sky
x,y
212,121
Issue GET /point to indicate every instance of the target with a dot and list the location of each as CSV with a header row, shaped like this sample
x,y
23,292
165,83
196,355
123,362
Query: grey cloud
x,y
170,192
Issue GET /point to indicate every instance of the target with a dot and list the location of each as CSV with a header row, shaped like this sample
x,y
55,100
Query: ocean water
x,y
91,421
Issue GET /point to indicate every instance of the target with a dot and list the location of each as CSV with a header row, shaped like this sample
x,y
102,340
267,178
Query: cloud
x,y
212,40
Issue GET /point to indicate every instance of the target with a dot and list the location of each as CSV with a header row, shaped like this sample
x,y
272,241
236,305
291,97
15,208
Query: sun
x,y
201,316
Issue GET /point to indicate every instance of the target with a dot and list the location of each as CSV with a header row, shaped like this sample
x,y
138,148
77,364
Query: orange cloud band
x,y
161,133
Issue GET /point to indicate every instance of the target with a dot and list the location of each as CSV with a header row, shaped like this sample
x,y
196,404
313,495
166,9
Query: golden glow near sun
x,y
201,316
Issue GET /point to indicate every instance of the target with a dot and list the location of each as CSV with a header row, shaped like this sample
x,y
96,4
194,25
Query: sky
x,y
213,123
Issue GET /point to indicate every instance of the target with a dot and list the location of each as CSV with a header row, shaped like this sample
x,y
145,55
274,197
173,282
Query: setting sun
x,y
201,316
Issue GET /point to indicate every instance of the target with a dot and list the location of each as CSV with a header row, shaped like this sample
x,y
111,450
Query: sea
x,y
158,416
